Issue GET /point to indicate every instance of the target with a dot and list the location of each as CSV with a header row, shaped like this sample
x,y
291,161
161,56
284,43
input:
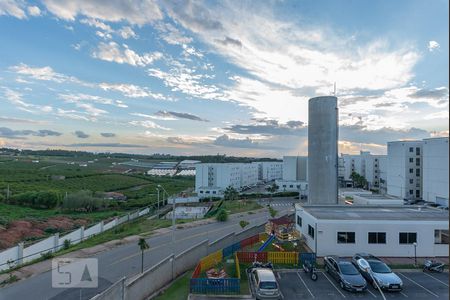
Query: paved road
x,y
125,260
416,285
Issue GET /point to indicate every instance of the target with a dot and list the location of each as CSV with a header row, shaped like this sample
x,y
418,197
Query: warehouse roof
x,y
380,213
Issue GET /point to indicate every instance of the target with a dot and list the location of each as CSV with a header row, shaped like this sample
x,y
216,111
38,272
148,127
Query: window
x,y
411,149
376,177
310,231
376,159
411,181
214,192
407,237
291,186
299,221
417,172
411,192
411,170
441,236
284,185
417,151
411,159
377,238
418,161
346,237
417,193
201,192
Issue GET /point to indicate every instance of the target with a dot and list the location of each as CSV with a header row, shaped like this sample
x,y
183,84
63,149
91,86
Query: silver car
x,y
377,273
264,284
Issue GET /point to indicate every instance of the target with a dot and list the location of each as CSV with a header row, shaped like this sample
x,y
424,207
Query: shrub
x,y
66,244
222,215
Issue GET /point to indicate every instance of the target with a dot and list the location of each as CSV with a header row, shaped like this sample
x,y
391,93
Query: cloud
x,y
44,73
179,115
34,11
112,52
131,90
433,45
80,134
147,124
79,97
172,35
19,134
108,134
229,41
227,141
16,99
134,12
438,93
20,121
107,145
127,32
269,127
97,24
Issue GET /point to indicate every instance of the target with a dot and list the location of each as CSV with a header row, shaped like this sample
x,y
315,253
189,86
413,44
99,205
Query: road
x,y
125,260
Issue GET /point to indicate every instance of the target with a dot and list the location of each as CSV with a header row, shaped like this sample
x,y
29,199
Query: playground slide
x,y
266,243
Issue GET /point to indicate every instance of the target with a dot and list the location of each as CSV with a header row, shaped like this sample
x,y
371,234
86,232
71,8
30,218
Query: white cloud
x,y
115,53
134,12
127,32
147,124
34,11
433,45
44,73
13,8
74,98
172,35
16,98
97,24
131,90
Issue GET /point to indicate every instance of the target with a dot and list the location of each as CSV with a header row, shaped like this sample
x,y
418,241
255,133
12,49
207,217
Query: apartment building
x,y
269,170
435,170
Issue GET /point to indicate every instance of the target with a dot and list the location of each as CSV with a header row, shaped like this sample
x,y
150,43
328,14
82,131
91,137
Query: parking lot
x,y
295,284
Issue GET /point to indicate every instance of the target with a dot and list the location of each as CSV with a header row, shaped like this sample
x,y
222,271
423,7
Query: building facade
x,y
404,169
269,170
435,170
372,167
380,230
212,179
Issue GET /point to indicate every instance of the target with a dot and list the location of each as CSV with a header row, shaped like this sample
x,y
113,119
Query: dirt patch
x,y
21,230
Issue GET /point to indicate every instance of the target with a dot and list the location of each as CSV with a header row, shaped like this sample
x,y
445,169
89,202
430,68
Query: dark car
x,y
345,273
379,272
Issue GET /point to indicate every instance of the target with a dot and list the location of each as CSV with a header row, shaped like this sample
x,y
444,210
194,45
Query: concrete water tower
x,y
323,150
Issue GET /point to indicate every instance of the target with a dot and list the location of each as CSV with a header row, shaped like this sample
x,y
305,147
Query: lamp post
x,y
158,200
415,254
173,217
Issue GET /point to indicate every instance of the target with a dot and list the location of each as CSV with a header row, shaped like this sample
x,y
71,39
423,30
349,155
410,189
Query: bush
x,y
47,255
41,199
66,244
222,215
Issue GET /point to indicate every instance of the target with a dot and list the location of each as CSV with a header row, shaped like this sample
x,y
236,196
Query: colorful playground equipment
x,y
266,243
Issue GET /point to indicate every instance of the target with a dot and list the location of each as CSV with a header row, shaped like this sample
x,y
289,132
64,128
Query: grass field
x,y
179,289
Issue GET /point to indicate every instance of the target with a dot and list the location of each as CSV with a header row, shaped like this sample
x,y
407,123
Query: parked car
x,y
345,273
264,284
378,271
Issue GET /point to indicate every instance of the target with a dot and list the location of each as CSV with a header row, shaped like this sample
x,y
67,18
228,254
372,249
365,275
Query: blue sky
x,y
207,77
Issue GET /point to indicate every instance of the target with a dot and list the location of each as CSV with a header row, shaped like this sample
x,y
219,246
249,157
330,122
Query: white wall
x,y
435,170
327,236
295,168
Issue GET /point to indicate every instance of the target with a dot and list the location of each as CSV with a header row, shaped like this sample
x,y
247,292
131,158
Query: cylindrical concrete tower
x,y
323,150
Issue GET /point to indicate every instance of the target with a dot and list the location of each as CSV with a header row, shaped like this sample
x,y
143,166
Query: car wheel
x,y
326,269
342,285
314,276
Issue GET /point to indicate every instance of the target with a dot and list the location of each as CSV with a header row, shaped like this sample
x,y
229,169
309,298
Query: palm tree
x,y
230,193
143,246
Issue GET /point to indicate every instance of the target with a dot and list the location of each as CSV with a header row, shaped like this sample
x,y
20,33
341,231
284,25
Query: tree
x,y
230,193
272,212
143,246
358,180
222,215
273,188
243,224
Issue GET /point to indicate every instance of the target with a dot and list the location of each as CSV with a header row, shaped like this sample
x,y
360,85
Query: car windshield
x,y
268,285
348,269
379,267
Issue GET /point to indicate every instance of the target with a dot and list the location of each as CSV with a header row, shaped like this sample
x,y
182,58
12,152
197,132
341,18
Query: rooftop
x,y
378,197
380,213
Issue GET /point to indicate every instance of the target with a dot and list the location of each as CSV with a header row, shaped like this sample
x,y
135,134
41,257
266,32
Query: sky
x,y
229,77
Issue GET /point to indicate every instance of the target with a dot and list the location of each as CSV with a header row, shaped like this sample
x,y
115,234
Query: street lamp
x,y
173,217
415,254
158,201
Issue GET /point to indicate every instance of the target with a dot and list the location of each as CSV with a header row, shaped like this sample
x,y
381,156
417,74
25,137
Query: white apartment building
x,y
372,167
404,169
269,170
212,179
388,231
295,175
435,170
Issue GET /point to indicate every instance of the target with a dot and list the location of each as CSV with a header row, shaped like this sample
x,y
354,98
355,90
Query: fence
x,y
152,280
18,255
